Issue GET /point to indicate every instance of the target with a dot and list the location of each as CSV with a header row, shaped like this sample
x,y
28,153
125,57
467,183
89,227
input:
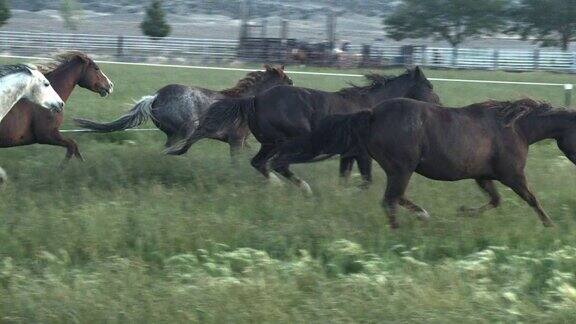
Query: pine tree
x,y
4,12
71,12
154,24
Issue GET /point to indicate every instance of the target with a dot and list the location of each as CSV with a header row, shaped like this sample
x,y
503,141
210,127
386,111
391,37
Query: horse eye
x,y
97,68
46,84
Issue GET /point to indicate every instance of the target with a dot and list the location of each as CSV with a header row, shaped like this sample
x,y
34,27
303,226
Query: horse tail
x,y
135,117
337,134
220,117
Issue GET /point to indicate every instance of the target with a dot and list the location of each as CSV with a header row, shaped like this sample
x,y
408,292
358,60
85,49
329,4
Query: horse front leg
x,y
71,146
519,185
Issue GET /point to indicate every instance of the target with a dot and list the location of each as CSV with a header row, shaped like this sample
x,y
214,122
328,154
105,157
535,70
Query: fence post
x,y
495,58
120,47
454,57
568,94
423,58
536,59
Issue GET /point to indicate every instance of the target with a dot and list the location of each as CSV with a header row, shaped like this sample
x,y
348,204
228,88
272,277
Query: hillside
x,y
294,9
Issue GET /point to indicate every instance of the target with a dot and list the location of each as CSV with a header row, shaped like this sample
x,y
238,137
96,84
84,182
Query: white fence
x,y
220,51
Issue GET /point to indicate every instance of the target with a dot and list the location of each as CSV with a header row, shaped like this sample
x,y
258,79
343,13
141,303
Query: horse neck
x,y
12,88
548,125
64,78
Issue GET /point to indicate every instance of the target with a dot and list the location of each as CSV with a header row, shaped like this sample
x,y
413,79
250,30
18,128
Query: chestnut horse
x,y
485,142
28,124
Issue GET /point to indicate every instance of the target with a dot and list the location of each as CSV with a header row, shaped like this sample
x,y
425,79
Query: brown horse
x,y
282,113
27,123
485,142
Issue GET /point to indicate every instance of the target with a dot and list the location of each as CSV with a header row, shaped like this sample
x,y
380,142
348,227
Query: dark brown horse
x,y
28,124
176,109
282,113
485,142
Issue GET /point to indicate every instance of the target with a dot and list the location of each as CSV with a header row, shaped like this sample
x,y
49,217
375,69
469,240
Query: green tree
x,y
154,24
4,12
449,20
36,5
71,13
548,22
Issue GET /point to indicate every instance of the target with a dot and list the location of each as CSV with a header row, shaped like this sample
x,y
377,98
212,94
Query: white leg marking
x,y
423,215
3,177
274,180
305,187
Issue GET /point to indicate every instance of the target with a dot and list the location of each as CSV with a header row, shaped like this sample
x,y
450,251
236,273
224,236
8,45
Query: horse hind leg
x,y
3,177
489,188
395,189
420,212
346,164
260,163
365,167
285,172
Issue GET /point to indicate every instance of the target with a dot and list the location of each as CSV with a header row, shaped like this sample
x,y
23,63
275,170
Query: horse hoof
x,y
423,215
467,211
548,224
3,177
306,188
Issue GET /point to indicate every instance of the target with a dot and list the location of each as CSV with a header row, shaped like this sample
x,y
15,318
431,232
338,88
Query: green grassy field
x,y
134,236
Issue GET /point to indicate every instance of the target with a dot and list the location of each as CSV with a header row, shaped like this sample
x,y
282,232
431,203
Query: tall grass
x,y
134,236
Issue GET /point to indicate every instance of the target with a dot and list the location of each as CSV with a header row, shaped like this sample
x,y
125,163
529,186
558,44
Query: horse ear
x,y
417,73
267,67
282,67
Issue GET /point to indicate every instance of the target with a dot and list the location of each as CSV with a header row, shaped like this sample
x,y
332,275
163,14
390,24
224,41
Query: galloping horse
x,y
27,124
282,113
175,109
485,142
25,81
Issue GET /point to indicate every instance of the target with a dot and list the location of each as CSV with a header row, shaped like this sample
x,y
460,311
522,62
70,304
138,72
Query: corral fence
x,y
225,51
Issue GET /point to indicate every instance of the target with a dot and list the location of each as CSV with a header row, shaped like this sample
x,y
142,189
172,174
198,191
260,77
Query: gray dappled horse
x,y
176,109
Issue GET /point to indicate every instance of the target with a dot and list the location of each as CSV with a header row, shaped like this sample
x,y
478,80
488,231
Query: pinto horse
x,y
282,113
485,142
176,109
28,124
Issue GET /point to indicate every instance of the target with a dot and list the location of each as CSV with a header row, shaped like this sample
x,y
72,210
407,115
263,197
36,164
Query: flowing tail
x,y
221,117
337,134
135,117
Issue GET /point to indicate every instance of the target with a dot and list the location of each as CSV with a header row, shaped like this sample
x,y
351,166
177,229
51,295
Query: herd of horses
x,y
398,121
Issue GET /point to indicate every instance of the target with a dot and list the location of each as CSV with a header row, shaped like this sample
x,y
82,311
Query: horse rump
x,y
337,134
220,118
135,117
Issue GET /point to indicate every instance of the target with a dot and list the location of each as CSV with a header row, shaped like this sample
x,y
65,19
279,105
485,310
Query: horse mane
x,y
249,81
509,112
375,81
59,59
6,70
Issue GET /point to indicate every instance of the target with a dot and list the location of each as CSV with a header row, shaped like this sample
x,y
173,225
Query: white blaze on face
x,y
42,93
110,84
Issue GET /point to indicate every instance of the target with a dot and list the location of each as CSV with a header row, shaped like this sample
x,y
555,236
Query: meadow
x,y
132,236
